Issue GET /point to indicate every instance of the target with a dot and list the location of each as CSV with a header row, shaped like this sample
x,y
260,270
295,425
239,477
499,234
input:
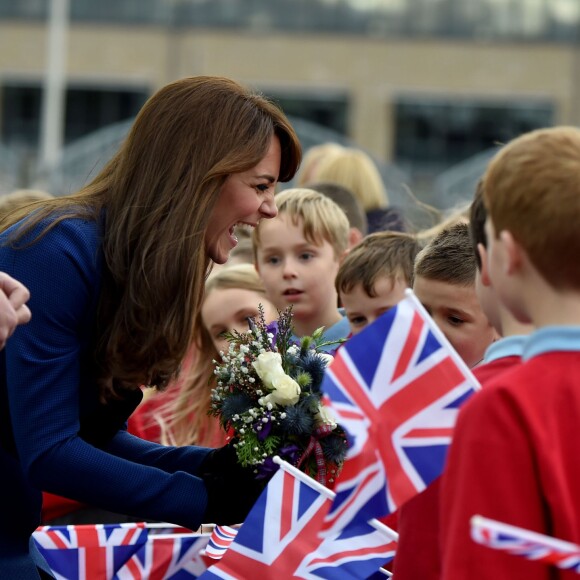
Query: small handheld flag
x,y
525,543
396,388
280,537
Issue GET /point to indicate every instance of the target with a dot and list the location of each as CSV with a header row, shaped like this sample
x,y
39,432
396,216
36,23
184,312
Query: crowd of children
x,y
503,286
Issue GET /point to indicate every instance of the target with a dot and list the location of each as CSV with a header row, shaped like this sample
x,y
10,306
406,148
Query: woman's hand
x,y
232,490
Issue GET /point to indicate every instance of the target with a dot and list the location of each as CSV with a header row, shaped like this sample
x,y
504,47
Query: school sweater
x,y
418,519
514,458
54,433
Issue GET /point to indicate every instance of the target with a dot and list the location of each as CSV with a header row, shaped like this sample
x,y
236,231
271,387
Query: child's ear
x,y
354,237
484,273
513,253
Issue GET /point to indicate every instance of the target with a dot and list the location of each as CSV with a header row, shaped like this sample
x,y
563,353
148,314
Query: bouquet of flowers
x,y
268,397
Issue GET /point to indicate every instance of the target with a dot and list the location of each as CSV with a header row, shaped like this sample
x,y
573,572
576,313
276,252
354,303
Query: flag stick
x,y
442,338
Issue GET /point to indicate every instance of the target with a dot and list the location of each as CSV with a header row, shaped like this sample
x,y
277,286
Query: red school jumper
x,y
514,458
418,555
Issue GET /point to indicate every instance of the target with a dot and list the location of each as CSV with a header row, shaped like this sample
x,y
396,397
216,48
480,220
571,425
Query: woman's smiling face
x,y
245,198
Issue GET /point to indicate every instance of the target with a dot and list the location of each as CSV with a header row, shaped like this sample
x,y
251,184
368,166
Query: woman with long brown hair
x,y
116,275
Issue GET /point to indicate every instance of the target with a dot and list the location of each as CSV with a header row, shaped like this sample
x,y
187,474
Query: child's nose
x,y
289,269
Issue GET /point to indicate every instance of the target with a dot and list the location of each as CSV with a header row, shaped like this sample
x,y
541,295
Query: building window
x,y
87,109
90,109
330,111
432,135
20,118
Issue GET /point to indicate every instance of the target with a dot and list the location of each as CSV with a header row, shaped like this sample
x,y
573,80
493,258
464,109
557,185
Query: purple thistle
x,y
272,328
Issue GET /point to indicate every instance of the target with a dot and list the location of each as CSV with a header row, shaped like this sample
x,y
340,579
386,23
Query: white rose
x,y
324,417
285,390
268,365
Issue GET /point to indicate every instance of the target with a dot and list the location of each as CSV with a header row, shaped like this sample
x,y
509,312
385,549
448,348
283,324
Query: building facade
x,y
420,84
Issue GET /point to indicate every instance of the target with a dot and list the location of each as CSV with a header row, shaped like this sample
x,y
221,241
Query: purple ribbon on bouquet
x,y
290,453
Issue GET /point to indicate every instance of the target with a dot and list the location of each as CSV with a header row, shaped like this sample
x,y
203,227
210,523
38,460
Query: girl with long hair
x,y
232,295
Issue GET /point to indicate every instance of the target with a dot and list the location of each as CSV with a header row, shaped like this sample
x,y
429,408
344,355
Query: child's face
x,y
362,309
227,309
457,312
298,273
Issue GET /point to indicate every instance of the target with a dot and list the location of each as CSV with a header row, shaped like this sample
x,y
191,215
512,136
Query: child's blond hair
x,y
311,162
382,254
356,170
321,218
532,189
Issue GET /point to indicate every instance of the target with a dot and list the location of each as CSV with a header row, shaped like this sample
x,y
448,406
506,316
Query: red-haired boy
x,y
521,430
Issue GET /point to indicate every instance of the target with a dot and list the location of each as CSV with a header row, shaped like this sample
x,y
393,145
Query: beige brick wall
x,y
371,72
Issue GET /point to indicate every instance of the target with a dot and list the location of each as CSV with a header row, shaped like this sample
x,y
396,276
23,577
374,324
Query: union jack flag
x,y
84,552
280,538
521,542
219,541
396,388
163,557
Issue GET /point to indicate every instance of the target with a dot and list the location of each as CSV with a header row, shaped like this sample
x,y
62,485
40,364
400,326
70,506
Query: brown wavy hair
x,y
158,193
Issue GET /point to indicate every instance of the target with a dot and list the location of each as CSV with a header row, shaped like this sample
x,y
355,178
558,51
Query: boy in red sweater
x,y
418,553
515,446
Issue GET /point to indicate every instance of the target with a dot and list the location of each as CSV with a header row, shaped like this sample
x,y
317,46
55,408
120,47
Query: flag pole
x,y
54,91
441,337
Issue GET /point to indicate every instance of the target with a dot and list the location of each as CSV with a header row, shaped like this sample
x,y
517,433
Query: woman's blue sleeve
x,y
46,384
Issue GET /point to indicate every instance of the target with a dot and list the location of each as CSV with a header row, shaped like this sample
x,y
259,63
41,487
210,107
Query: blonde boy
x,y
297,255
514,456
445,284
374,275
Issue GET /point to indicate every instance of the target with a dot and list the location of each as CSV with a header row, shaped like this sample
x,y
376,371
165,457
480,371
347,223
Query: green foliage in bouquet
x,y
268,398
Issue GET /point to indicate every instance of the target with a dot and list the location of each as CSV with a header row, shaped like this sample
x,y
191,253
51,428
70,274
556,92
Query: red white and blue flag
x,y
89,551
219,541
121,552
280,537
167,557
525,543
396,388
